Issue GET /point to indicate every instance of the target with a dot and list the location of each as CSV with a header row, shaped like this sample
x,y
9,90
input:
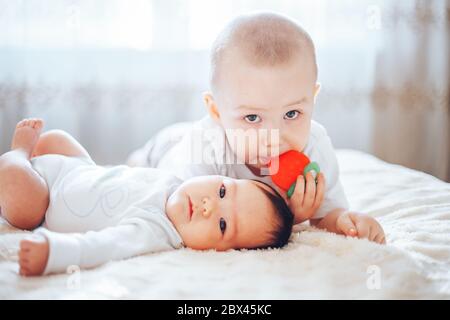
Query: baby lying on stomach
x,y
84,214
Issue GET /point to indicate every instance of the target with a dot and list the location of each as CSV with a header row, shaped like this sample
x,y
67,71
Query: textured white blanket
x,y
413,207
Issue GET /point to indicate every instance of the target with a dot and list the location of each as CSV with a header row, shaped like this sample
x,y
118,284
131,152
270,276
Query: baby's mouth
x,y
264,161
190,208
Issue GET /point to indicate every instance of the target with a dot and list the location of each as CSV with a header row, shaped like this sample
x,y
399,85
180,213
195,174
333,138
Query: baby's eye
x,y
253,118
222,225
222,191
290,115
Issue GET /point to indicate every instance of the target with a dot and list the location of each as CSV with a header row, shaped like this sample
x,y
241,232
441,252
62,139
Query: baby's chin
x,y
175,207
259,163
254,161
257,166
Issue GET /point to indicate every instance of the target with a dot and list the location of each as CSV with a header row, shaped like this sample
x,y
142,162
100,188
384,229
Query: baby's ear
x,y
211,106
317,90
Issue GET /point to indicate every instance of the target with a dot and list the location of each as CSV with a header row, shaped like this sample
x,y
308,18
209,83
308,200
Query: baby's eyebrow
x,y
244,106
231,221
234,214
295,102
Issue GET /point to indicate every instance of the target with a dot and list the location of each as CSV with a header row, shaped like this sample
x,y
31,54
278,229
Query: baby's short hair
x,y
263,39
282,221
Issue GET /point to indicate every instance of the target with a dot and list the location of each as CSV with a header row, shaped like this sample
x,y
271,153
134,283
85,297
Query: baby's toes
x,y
21,123
36,123
380,238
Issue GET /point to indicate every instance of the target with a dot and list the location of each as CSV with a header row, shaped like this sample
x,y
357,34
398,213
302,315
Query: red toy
x,y
291,164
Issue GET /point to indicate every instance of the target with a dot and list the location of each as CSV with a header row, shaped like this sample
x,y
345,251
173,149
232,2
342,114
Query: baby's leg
x,y
24,194
59,142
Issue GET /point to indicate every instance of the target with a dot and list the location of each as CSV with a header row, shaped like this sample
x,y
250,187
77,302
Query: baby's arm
x,y
351,224
54,252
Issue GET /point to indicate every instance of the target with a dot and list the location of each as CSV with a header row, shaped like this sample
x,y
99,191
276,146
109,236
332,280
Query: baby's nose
x,y
207,207
271,140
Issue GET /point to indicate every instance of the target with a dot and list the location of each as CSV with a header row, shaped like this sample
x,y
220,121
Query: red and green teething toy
x,y
291,164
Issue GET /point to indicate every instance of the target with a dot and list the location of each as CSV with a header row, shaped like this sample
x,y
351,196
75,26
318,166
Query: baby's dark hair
x,y
284,219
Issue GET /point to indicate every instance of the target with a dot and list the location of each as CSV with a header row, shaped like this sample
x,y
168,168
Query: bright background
x,y
114,72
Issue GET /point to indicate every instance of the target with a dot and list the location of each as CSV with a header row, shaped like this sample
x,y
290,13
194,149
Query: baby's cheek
x,y
200,237
297,140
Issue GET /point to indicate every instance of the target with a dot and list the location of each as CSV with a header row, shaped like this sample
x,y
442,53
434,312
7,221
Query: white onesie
x,y
97,214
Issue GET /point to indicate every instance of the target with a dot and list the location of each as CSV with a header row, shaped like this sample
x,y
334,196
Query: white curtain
x,y
411,103
114,72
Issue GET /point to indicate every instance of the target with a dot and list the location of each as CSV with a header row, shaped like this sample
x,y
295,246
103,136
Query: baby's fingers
x,y
346,225
377,233
380,238
310,193
363,229
320,190
296,199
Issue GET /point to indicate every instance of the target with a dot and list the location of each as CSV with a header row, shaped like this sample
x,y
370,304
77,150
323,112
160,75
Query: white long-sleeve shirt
x,y
97,214
205,151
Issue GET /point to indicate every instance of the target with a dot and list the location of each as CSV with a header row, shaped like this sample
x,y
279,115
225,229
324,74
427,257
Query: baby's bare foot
x,y
33,256
26,135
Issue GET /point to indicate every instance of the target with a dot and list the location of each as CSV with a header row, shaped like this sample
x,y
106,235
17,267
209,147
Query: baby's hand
x,y
33,255
361,226
307,197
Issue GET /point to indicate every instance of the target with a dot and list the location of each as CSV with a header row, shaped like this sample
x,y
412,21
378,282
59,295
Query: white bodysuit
x,y
97,214
178,148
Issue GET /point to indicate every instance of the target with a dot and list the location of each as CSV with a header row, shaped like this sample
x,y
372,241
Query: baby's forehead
x,y
253,184
258,194
243,55
255,203
262,186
